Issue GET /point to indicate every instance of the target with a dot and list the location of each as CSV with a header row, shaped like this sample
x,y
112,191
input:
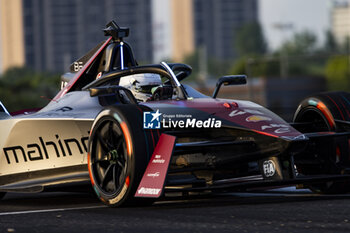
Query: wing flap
x,y
153,179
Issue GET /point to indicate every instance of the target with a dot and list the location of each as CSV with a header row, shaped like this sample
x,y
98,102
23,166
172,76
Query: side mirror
x,y
228,81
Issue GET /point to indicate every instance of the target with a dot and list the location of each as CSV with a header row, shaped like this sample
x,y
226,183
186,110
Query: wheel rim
x,y
109,158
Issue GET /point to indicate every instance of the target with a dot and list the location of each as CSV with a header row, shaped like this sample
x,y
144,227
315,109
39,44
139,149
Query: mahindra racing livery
x,y
137,133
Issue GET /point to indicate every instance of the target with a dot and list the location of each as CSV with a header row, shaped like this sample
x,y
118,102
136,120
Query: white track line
x,y
50,210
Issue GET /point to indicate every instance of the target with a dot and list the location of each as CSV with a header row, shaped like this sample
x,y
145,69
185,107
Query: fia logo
x,y
269,168
151,120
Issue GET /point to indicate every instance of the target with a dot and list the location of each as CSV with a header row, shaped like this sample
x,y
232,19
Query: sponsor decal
x,y
64,109
256,118
99,75
152,182
269,168
300,137
39,150
281,128
158,159
151,120
245,111
236,113
148,191
153,175
252,111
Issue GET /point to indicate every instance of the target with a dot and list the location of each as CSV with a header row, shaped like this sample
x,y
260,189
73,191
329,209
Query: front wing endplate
x,y
153,179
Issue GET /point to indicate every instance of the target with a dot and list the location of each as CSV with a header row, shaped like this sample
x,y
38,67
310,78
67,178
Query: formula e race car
x,y
137,133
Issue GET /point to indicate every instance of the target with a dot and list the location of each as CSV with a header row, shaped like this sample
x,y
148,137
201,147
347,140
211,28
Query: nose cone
x,y
232,113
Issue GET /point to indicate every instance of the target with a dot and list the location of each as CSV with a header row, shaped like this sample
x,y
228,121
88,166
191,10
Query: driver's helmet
x,y
142,86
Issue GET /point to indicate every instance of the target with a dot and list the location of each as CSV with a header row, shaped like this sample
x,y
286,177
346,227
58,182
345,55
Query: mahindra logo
x,y
39,151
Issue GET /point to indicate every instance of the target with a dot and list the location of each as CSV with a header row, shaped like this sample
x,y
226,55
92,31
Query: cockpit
x,y
112,63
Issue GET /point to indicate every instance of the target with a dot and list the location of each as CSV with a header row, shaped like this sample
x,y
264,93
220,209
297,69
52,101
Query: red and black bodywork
x,y
202,143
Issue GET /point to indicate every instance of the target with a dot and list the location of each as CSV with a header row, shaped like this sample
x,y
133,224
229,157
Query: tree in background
x,y
302,43
250,40
215,67
302,55
337,69
250,45
295,56
22,88
338,72
330,45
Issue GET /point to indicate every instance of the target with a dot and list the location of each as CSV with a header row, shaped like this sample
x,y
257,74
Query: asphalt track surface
x,y
283,210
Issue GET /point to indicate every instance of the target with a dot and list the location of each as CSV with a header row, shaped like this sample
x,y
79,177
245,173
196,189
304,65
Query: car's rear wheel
x,y
322,111
118,155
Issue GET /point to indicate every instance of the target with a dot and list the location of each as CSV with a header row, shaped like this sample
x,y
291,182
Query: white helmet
x,y
141,85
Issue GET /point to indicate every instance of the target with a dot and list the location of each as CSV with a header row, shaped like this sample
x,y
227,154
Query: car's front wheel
x,y
118,154
331,157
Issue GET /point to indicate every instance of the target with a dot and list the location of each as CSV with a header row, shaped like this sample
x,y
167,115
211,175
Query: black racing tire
x,y
330,105
323,110
119,151
2,195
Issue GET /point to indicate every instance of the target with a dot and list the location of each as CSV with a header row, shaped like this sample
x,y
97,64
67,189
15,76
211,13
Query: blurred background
x,y
288,48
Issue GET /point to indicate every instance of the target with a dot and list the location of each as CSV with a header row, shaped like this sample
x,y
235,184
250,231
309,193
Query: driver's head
x,y
141,85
